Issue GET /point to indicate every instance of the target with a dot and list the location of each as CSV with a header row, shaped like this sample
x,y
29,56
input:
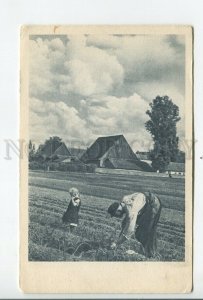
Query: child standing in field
x,y
71,216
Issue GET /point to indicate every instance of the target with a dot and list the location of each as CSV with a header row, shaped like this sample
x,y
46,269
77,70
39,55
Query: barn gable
x,y
113,152
52,151
48,150
110,146
62,150
143,155
120,149
77,152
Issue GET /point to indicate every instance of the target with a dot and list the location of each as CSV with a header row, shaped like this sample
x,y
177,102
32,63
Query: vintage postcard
x,y
106,198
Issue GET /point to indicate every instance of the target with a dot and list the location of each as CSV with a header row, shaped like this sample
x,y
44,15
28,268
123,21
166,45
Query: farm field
x,y
50,239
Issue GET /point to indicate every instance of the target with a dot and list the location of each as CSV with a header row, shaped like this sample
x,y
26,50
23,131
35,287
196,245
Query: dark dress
x,y
146,224
71,214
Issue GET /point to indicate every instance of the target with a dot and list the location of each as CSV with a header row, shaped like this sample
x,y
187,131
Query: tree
x,y
164,115
31,148
180,157
54,141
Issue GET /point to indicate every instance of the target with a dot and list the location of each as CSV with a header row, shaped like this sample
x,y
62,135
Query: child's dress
x,y
71,214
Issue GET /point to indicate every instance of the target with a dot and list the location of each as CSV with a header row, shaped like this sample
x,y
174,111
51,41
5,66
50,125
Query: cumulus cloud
x,y
55,118
45,57
146,57
86,86
105,64
104,41
91,70
83,70
109,115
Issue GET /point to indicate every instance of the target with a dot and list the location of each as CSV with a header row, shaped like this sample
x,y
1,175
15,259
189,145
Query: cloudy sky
x,y
82,87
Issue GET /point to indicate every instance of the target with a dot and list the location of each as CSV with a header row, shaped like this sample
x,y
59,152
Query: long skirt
x,y
146,229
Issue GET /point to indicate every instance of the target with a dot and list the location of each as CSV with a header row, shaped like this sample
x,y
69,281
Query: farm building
x,y
58,153
113,152
176,168
77,152
144,156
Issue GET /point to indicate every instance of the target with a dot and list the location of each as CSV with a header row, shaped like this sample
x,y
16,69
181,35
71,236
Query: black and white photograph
x,y
109,139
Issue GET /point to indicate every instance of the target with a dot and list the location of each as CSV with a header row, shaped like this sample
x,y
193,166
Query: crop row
x,y
168,201
88,178
55,239
169,217
92,229
97,225
135,185
48,200
57,198
98,218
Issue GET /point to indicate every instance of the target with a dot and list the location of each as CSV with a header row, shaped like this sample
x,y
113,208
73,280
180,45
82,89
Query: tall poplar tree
x,y
164,115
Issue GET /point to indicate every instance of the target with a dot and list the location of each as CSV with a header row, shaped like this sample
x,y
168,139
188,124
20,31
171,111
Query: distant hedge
x,y
66,167
34,165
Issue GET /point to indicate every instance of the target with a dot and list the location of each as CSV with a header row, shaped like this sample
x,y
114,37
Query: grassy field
x,y
50,240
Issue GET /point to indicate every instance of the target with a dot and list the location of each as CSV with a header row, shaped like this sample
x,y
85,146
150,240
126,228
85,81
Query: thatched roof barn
x,y
54,152
113,152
